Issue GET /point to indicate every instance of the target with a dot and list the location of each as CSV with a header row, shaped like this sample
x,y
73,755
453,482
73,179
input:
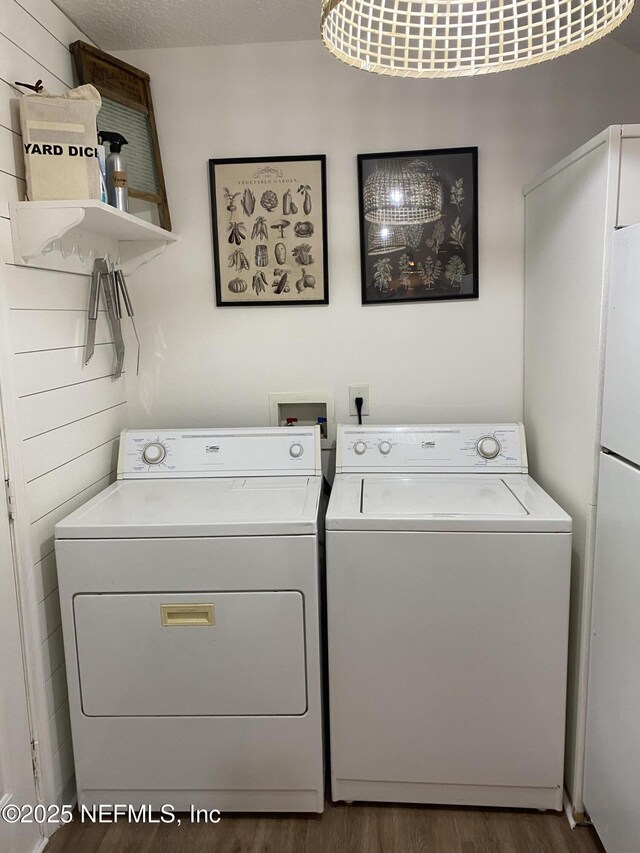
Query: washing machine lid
x,y
242,506
443,502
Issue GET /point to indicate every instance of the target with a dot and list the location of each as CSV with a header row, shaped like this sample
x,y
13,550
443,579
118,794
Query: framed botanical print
x,y
419,225
269,224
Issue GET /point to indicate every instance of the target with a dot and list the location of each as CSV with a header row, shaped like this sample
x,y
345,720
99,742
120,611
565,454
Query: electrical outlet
x,y
358,391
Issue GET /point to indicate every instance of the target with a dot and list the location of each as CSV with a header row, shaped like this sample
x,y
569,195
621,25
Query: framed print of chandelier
x,y
454,38
419,225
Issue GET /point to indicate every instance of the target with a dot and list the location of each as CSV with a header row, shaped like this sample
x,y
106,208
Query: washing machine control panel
x,y
450,448
219,452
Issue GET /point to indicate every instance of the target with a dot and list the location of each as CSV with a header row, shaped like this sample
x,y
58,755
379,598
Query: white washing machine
x,y
190,607
448,572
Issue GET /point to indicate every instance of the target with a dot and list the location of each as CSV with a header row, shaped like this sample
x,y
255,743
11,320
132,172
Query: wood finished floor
x,y
342,829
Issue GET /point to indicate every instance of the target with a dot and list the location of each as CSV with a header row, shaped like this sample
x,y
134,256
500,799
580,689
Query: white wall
x,y
63,420
424,362
16,771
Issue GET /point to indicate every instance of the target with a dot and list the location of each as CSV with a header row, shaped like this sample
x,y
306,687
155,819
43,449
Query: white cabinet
x,y
572,212
612,769
629,182
621,402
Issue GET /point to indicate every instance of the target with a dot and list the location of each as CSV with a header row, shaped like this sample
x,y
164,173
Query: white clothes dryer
x,y
448,573
190,605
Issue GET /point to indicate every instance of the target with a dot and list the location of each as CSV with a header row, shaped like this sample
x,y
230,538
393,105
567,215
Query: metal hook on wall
x,y
37,87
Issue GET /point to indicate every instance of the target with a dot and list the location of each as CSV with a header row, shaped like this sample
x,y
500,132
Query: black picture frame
x,y
419,225
265,252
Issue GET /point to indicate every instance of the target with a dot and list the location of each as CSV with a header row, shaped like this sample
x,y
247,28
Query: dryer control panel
x,y
186,453
436,448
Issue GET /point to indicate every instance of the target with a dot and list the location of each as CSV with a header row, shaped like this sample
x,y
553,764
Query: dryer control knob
x,y
488,447
154,453
296,451
359,447
384,447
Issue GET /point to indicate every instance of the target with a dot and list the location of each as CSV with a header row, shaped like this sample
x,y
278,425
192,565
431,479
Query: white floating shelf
x,y
69,235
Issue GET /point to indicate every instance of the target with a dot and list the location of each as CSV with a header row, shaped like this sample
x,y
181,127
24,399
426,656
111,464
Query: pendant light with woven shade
x,y
453,38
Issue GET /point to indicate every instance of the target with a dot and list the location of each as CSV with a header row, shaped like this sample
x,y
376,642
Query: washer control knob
x,y
359,447
296,451
385,448
154,453
488,447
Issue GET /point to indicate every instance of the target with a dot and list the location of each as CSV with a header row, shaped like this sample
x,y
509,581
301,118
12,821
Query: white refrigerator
x,y
612,762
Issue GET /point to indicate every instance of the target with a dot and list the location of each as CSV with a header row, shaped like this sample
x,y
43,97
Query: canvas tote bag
x,y
60,144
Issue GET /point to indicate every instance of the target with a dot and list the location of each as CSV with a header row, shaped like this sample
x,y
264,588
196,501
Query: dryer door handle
x,y
187,615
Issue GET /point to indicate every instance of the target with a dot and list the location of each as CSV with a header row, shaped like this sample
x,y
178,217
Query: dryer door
x,y
204,654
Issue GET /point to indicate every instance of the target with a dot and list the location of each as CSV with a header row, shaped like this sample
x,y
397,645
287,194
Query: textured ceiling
x,y
132,24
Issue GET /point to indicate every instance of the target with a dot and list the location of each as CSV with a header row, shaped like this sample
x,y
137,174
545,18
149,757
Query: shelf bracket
x,y
132,257
35,232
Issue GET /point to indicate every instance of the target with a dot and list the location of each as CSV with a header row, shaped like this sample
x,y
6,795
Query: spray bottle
x,y
117,181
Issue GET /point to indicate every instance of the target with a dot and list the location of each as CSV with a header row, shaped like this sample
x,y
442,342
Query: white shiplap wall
x,y
63,418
